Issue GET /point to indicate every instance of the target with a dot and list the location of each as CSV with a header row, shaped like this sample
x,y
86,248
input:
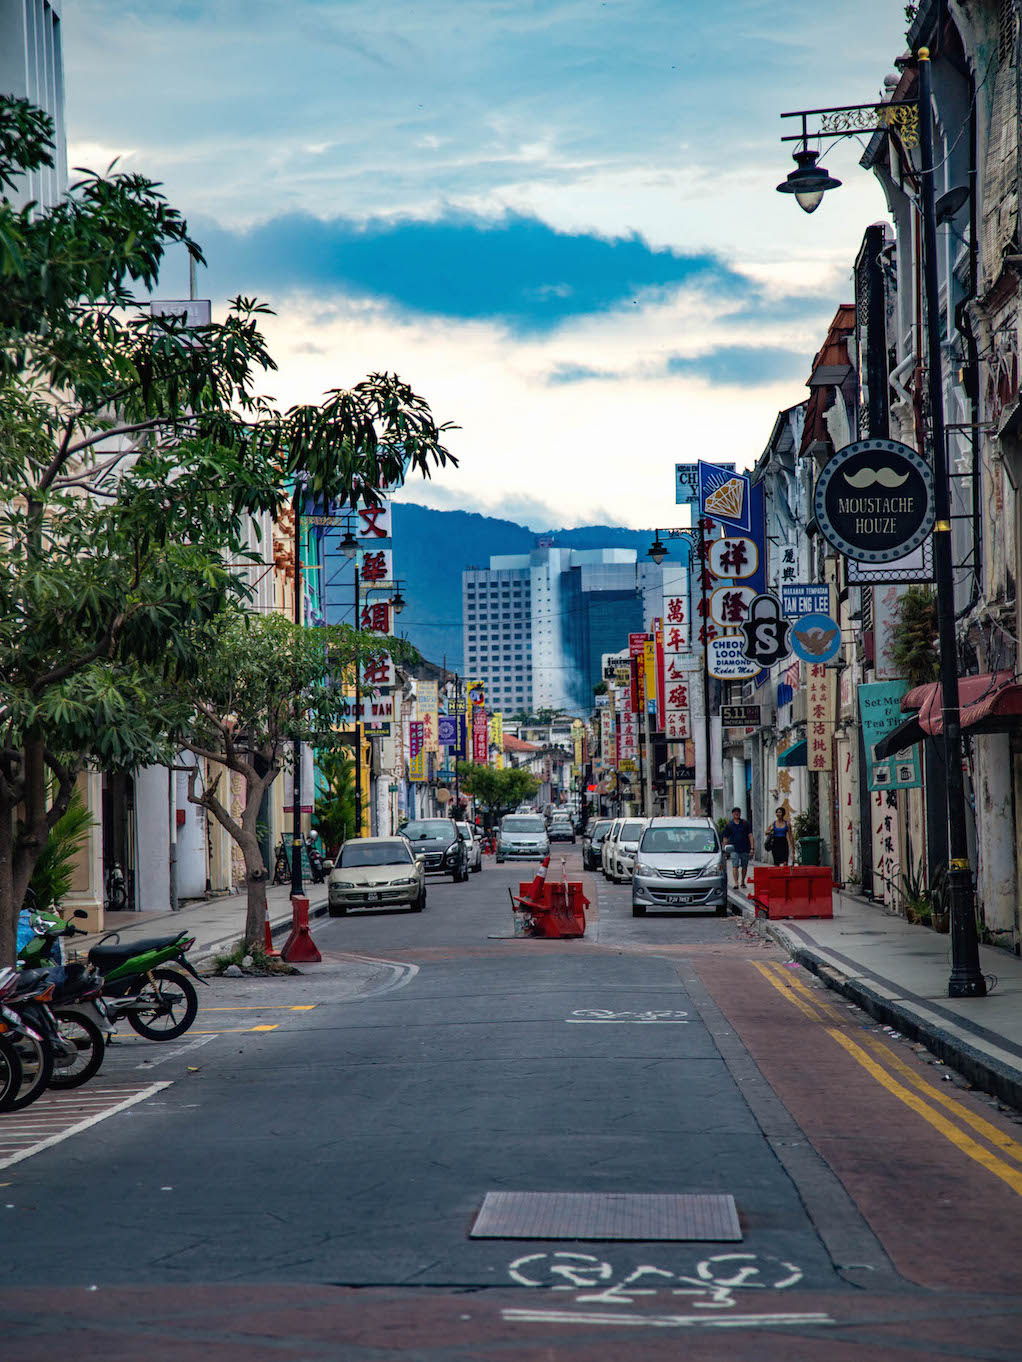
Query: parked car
x,y
376,872
626,844
473,841
607,849
440,844
522,837
561,829
592,841
680,864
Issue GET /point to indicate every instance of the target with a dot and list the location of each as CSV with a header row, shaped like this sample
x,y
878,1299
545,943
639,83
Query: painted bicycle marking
x,y
712,1285
653,1016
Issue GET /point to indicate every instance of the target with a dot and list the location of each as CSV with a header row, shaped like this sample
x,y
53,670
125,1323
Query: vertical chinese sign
x,y
428,699
819,717
416,750
480,735
497,739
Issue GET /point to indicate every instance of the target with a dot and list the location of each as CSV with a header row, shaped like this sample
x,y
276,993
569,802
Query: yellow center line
x,y
951,1132
233,1030
269,1007
996,1137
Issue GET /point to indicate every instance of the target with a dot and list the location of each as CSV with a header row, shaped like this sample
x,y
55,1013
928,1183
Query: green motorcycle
x,y
143,981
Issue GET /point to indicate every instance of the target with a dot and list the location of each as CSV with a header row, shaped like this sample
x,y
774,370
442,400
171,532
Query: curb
x,y
983,1070
278,928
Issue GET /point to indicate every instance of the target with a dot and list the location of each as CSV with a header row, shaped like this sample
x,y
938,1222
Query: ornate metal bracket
x,y
900,116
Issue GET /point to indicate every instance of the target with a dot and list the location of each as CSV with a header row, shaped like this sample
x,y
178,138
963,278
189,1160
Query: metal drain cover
x,y
606,1215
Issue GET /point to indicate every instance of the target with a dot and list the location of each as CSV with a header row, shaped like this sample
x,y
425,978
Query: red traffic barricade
x,y
550,909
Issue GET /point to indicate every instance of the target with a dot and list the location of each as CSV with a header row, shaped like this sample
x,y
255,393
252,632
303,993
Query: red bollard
x,y
300,945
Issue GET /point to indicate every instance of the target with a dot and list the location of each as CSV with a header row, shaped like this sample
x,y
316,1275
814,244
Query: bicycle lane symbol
x,y
711,1286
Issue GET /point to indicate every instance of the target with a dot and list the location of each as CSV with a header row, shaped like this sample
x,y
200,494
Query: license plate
x,y
678,898
372,898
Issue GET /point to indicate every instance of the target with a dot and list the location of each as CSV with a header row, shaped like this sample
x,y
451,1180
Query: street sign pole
x,y
967,980
704,572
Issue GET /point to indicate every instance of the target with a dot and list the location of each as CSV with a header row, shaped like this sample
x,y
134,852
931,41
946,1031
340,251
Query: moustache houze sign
x,y
874,501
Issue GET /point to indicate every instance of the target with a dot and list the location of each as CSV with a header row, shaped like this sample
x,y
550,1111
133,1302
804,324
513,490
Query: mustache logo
x,y
866,477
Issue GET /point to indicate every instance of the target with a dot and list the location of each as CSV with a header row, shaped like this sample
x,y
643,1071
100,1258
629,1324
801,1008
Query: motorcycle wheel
x,y
10,1073
175,991
36,1068
87,1038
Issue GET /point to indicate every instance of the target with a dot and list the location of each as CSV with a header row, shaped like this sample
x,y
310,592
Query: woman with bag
x,y
779,840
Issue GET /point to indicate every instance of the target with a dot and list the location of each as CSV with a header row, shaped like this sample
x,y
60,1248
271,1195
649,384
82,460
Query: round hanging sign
x,y
874,501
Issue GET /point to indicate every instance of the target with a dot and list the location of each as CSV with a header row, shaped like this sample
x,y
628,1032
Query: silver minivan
x,y
626,844
679,864
522,837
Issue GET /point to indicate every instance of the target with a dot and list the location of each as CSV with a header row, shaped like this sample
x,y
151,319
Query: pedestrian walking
x,y
738,840
778,838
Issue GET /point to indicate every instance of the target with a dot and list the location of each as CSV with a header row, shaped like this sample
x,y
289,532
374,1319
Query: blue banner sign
x,y
724,495
805,598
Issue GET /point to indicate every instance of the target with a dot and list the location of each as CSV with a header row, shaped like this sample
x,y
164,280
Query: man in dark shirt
x,y
738,836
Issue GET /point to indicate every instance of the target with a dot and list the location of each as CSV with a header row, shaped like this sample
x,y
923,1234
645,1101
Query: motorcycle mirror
x,y
79,912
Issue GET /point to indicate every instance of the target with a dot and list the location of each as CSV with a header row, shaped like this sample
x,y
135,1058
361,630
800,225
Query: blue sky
x,y
556,219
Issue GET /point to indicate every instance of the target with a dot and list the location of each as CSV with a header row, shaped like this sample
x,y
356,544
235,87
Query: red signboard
x,y
480,736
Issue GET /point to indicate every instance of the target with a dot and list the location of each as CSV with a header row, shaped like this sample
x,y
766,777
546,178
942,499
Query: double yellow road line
x,y
887,1068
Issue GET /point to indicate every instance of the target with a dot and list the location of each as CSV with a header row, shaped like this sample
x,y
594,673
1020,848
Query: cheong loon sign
x,y
874,501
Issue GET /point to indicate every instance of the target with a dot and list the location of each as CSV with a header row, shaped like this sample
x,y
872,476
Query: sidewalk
x,y
898,973
215,923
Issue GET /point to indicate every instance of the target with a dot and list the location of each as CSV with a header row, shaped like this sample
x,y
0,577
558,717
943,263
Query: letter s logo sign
x,y
766,636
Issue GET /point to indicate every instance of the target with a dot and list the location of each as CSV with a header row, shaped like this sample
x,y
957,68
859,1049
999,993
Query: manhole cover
x,y
606,1215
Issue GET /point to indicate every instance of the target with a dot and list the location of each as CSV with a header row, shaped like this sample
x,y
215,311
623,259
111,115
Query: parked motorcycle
x,y
141,981
58,1046
316,862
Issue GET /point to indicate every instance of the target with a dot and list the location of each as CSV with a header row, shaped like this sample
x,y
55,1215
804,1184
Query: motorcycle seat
x,y
117,952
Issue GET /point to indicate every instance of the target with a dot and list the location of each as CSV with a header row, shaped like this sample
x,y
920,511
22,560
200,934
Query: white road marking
x,y
79,1126
181,1049
662,1321
403,973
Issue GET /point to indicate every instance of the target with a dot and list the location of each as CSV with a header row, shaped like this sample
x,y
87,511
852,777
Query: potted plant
x,y
806,831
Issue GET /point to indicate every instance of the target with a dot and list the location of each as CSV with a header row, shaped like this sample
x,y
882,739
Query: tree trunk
x,y
8,907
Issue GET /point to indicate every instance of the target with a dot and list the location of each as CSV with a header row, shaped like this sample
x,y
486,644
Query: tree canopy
x,y
497,791
134,450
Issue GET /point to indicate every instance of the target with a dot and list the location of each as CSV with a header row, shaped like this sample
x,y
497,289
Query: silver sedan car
x,y
473,845
679,864
376,872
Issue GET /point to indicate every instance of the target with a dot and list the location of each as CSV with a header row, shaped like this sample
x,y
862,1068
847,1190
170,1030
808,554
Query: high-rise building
x,y
32,67
535,625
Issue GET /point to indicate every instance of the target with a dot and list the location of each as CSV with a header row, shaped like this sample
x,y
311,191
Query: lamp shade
x,y
657,551
349,544
808,181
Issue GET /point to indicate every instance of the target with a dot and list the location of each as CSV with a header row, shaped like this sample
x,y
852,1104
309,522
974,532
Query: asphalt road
x,y
305,1185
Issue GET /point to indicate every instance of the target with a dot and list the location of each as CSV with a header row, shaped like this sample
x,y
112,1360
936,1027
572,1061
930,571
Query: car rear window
x,y
599,831
630,832
680,841
423,828
374,853
513,824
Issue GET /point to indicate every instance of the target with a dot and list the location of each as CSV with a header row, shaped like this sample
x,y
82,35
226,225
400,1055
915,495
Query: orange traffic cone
x,y
537,889
268,947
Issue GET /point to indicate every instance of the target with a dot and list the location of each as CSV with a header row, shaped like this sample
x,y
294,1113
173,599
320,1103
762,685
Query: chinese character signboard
x,y
416,751
729,605
375,569
819,717
373,522
788,572
734,557
374,617
378,672
497,738
428,702
480,736
628,738
675,617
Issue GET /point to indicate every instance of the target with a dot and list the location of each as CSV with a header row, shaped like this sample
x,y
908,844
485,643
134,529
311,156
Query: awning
x,y
907,734
989,703
793,756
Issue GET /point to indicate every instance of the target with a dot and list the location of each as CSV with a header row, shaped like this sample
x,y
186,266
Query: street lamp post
x,y
297,883
914,118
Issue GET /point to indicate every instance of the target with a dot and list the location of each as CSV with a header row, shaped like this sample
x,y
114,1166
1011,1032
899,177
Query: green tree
x,y
496,791
261,683
915,651
335,808
133,452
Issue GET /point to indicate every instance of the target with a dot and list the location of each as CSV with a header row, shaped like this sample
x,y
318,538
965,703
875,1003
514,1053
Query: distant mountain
x,y
432,549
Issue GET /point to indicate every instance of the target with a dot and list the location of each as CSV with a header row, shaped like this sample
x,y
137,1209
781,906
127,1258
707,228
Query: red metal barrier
x,y
795,891
551,910
300,946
